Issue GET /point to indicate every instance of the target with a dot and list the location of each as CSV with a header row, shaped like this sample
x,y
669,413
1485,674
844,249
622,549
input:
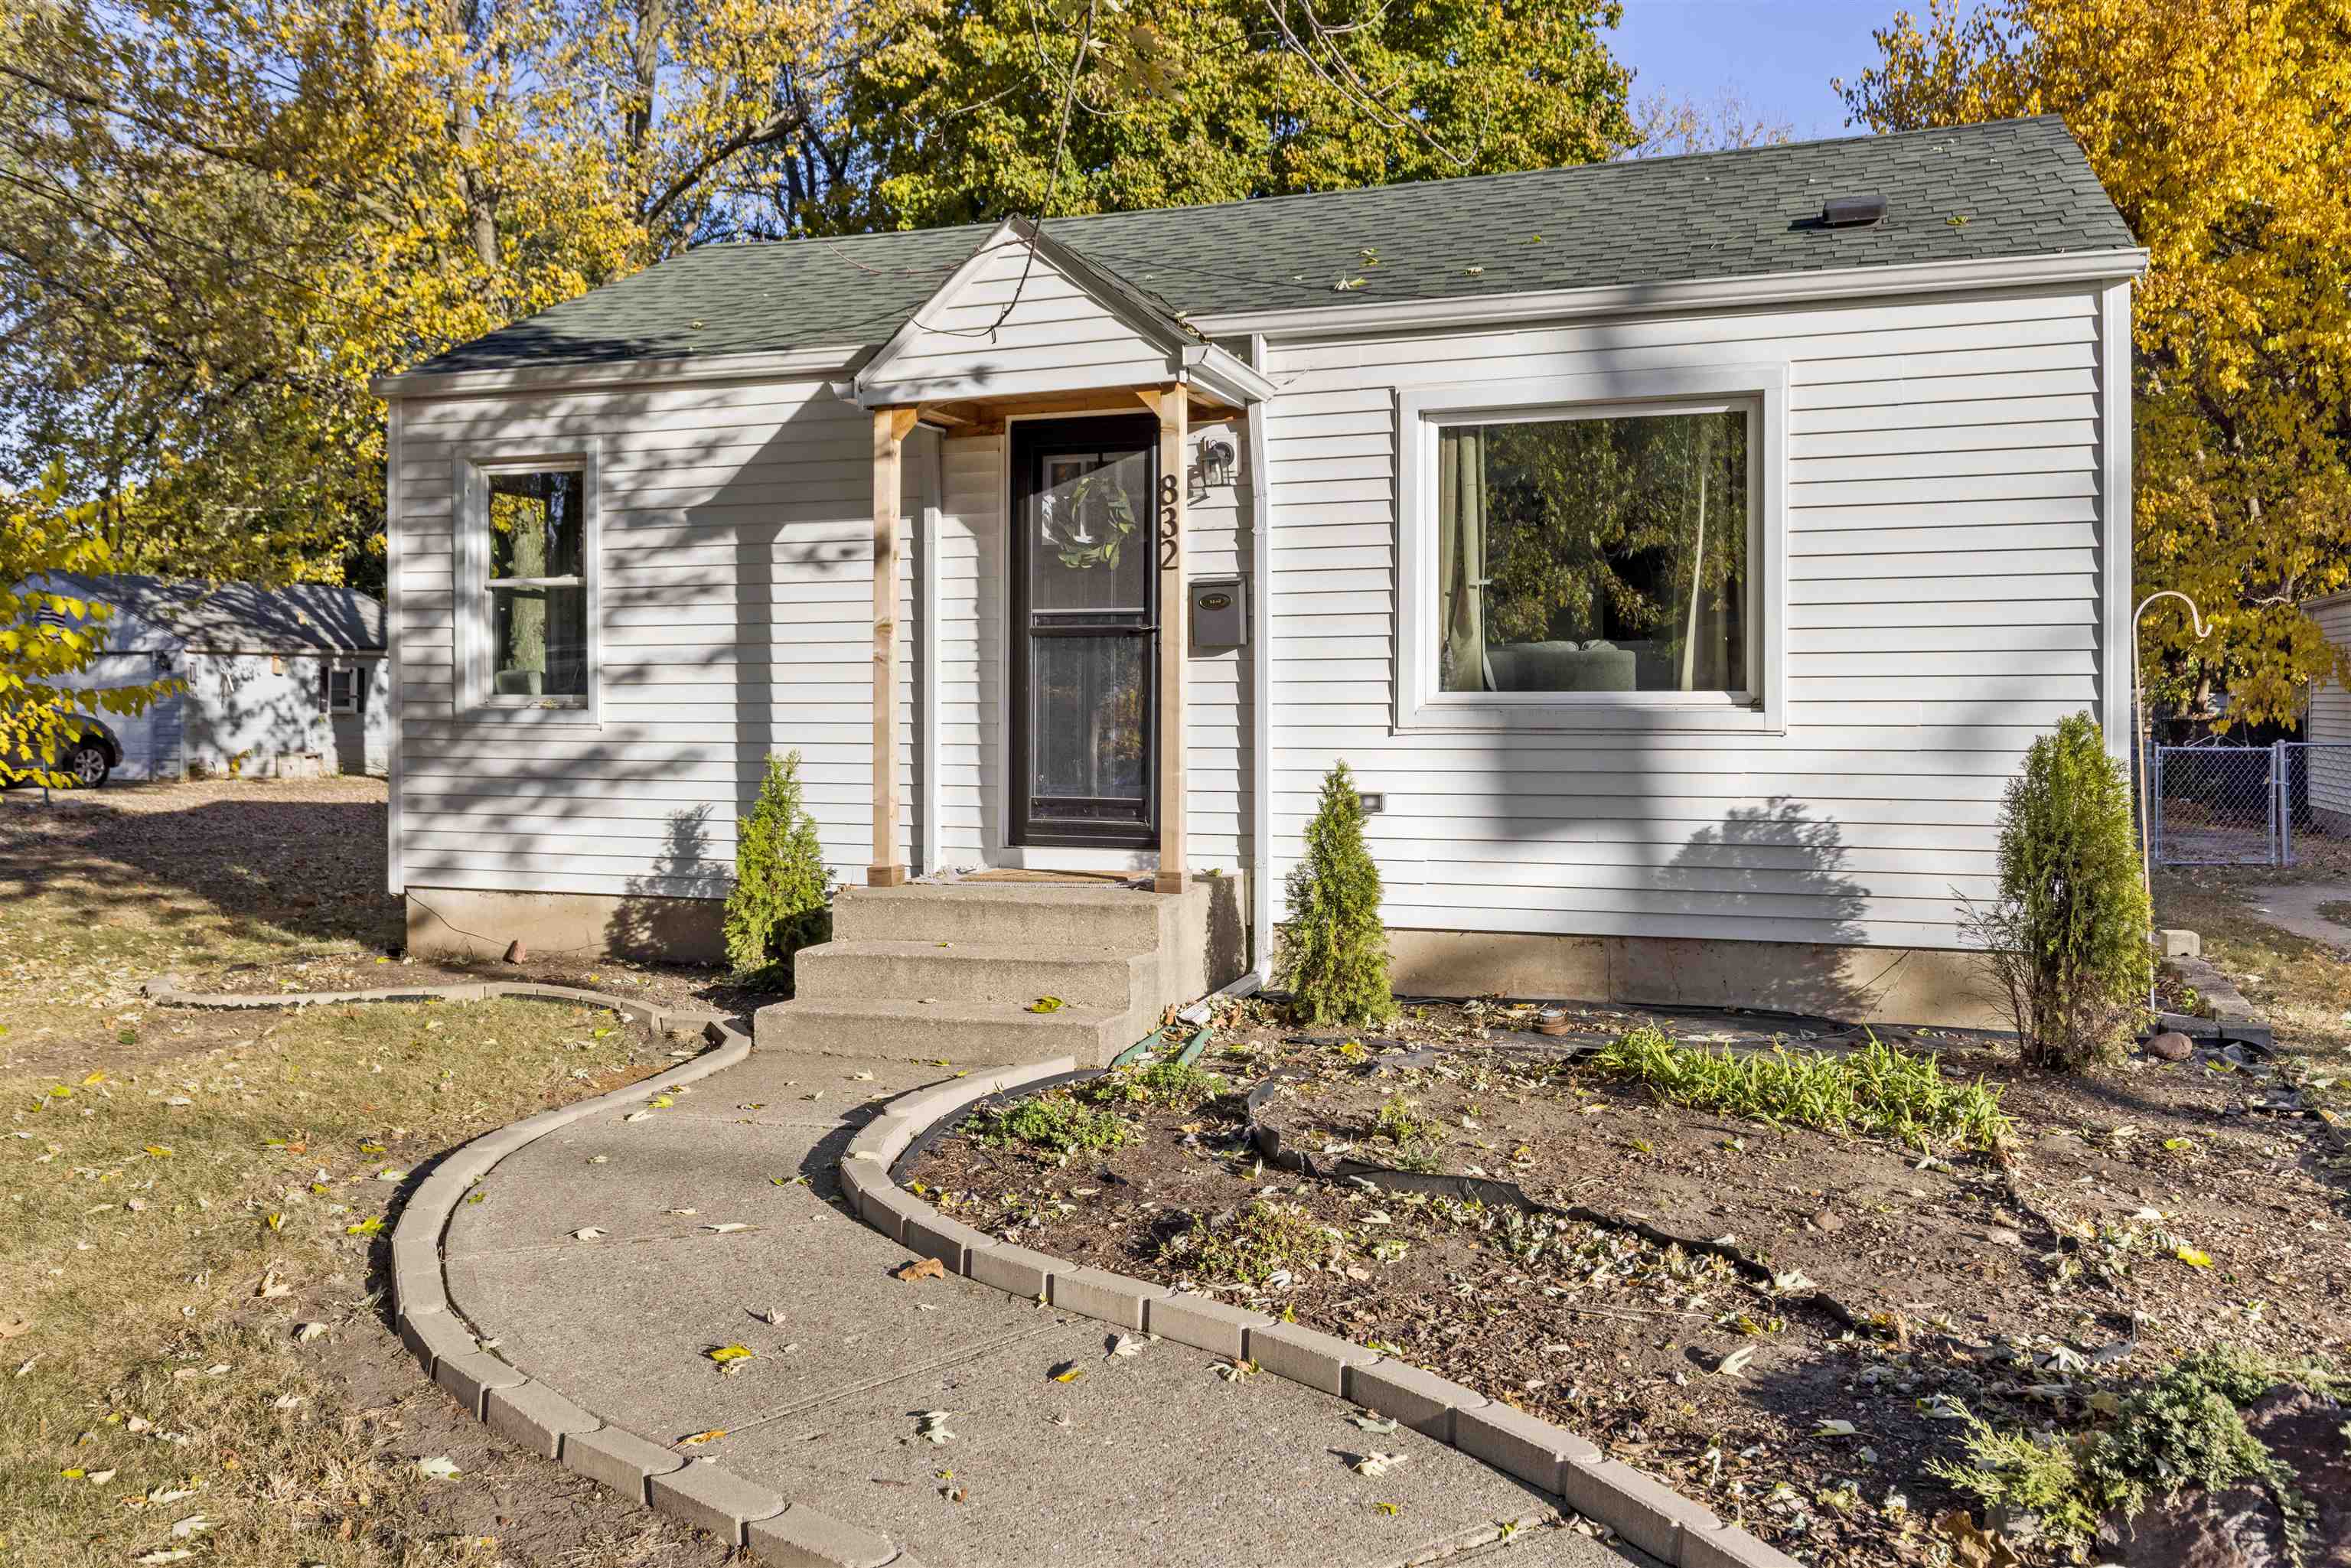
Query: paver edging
x,y
434,1331
1634,1505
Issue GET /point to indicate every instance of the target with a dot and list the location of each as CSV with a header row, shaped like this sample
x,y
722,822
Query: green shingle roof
x,y
2009,188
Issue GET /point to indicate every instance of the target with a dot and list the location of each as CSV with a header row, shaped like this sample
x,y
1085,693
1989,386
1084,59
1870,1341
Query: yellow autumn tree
x,y
2219,129
49,634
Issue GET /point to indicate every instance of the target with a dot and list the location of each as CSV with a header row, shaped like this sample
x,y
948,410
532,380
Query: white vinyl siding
x,y
736,618
1944,583
1018,328
2329,722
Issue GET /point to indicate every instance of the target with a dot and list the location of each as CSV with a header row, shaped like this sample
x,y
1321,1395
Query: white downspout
x,y
1260,603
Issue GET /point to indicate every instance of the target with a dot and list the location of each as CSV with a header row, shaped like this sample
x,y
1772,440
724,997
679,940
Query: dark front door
x,y
1085,615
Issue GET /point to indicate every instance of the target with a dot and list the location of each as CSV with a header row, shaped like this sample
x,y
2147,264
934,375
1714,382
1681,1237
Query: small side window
x,y
526,586
342,690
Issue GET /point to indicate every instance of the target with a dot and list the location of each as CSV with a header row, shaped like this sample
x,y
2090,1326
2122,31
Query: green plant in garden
x,y
782,898
1877,1091
1250,1246
2066,941
1414,1132
2186,1428
1055,1123
1179,1085
1333,950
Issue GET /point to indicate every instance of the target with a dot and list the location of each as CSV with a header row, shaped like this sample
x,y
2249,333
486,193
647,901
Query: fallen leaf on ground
x,y
727,1353
587,1233
1731,1365
1047,1005
1973,1548
2193,1257
1124,1344
1377,1464
1067,1372
308,1332
1371,1423
699,1438
931,1425
439,1466
11,1327
920,1269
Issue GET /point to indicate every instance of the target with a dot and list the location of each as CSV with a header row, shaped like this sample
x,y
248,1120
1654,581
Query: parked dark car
x,y
91,754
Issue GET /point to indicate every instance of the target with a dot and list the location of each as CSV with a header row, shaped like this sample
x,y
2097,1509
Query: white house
x,y
273,681
1681,553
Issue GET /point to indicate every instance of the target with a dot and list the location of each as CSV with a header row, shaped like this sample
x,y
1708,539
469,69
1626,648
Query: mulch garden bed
x,y
1784,1320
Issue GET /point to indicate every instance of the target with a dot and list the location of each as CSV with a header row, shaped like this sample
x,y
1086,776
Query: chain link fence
x,y
2314,803
2214,805
2288,804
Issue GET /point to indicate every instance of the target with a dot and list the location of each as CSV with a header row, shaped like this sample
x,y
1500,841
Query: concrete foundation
x,y
472,923
1867,985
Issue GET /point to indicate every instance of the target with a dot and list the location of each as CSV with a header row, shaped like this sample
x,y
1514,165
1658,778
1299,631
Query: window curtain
x,y
1461,558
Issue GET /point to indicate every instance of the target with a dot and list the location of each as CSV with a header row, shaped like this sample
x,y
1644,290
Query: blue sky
x,y
1779,55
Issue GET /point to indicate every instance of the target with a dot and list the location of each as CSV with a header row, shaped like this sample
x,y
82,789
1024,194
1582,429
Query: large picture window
x,y
1600,554
526,585
1592,552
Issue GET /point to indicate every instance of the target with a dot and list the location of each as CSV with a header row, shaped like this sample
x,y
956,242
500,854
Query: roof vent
x,y
1852,211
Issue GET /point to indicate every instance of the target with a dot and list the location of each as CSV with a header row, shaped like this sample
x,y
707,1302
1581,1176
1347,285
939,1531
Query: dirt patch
x,y
669,985
2129,1218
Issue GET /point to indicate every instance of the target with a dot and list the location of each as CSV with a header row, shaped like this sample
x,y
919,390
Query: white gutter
x,y
1618,299
1260,599
395,880
797,364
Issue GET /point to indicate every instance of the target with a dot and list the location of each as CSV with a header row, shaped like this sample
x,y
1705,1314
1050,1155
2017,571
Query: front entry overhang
x,y
1028,325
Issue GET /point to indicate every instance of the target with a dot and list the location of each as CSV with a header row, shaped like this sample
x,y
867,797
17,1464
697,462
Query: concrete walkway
x,y
1145,1459
2293,907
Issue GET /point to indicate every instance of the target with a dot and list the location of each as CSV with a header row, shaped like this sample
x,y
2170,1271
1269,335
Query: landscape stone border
x,y
746,1515
1639,1508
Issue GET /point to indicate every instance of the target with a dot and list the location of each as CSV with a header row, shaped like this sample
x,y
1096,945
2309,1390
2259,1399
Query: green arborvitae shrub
x,y
2066,943
782,900
1333,951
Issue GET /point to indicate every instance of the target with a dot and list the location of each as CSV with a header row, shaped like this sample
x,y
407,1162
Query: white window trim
x,y
473,467
1422,708
342,667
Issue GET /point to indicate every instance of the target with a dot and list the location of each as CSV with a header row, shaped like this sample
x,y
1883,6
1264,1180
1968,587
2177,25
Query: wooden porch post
x,y
890,428
1174,621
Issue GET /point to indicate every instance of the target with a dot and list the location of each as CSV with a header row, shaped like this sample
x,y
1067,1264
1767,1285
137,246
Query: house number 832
x,y
1170,542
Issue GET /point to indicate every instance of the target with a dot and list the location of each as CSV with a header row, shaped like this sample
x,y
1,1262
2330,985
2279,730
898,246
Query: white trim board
x,y
1703,294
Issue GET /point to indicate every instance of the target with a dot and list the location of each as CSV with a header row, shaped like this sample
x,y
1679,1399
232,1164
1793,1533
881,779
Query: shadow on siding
x,y
1747,869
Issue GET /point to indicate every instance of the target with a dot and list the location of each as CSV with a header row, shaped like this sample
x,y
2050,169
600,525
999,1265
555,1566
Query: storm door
x,y
1084,619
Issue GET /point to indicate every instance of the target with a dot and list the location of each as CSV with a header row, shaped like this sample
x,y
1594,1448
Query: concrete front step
x,y
964,1034
1037,916
949,971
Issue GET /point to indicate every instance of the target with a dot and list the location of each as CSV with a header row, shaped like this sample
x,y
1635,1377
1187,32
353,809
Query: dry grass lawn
x,y
195,1366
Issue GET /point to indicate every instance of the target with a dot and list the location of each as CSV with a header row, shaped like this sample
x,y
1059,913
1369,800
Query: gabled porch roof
x,y
1026,317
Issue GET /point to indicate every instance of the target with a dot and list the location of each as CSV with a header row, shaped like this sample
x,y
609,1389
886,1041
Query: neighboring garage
x,y
283,682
